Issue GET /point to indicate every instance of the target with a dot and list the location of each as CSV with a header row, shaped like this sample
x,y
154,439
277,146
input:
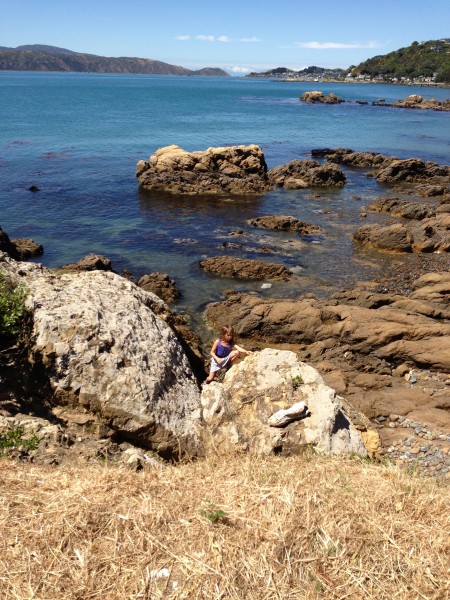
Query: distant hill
x,y
419,60
39,57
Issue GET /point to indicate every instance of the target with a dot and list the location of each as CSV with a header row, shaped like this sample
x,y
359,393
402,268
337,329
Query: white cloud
x,y
250,40
213,38
183,38
333,45
238,69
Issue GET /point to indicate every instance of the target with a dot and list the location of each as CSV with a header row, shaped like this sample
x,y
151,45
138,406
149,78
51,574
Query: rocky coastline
x,y
413,101
94,385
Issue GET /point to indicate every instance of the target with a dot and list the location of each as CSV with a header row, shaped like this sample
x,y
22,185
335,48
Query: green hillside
x,y
50,58
419,60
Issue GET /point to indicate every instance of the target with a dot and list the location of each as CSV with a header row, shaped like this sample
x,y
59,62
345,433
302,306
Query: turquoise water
x,y
78,138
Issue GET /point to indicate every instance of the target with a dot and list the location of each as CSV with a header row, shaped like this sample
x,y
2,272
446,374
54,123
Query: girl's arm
x,y
241,349
213,353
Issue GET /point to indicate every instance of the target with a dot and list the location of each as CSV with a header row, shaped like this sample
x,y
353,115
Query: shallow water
x,y
78,138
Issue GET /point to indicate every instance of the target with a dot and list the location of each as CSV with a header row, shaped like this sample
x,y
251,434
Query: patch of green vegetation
x,y
214,514
12,307
297,381
14,440
425,59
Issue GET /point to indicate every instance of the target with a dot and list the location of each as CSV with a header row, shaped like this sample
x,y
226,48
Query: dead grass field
x,y
240,528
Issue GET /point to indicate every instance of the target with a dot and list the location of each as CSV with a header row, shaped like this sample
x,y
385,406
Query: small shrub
x,y
13,440
12,307
214,514
297,381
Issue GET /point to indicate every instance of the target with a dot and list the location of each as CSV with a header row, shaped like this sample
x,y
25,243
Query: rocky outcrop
x,y
403,209
20,248
363,343
285,223
236,412
419,102
413,170
426,228
91,262
299,174
350,158
313,97
229,266
161,285
391,238
101,344
233,170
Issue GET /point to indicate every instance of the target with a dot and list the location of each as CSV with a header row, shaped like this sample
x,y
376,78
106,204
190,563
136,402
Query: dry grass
x,y
298,528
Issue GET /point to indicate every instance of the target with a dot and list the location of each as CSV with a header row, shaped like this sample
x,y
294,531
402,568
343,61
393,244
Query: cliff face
x,y
39,60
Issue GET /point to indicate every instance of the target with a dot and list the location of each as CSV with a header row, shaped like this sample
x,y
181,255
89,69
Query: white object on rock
x,y
266,286
287,415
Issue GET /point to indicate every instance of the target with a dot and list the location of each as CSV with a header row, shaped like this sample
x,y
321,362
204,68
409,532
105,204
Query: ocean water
x,y
78,138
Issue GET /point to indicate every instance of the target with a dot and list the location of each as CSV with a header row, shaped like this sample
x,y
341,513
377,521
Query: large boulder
x,y
234,170
236,412
101,343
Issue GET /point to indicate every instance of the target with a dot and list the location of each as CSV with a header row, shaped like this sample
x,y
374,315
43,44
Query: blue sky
x,y
237,35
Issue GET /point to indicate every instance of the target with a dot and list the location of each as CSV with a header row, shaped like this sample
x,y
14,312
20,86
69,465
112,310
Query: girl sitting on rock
x,y
224,352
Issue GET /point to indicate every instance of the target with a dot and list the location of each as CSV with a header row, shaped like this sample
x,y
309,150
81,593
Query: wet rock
x,y
419,102
228,266
313,97
234,170
402,208
161,285
27,248
348,157
393,238
306,173
7,246
285,223
91,262
413,170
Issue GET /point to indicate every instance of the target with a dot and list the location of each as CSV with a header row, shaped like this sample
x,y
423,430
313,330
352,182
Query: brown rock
x,y
161,285
391,238
228,266
27,248
91,262
309,171
285,223
234,169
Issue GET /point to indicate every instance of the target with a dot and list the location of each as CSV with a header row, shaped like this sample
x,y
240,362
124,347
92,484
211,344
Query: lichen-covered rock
x,y
98,341
233,170
236,412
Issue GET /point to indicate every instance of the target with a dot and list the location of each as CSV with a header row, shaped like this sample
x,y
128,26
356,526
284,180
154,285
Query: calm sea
x,y
78,138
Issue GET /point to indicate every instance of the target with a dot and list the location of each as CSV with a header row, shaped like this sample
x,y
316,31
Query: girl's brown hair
x,y
227,330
